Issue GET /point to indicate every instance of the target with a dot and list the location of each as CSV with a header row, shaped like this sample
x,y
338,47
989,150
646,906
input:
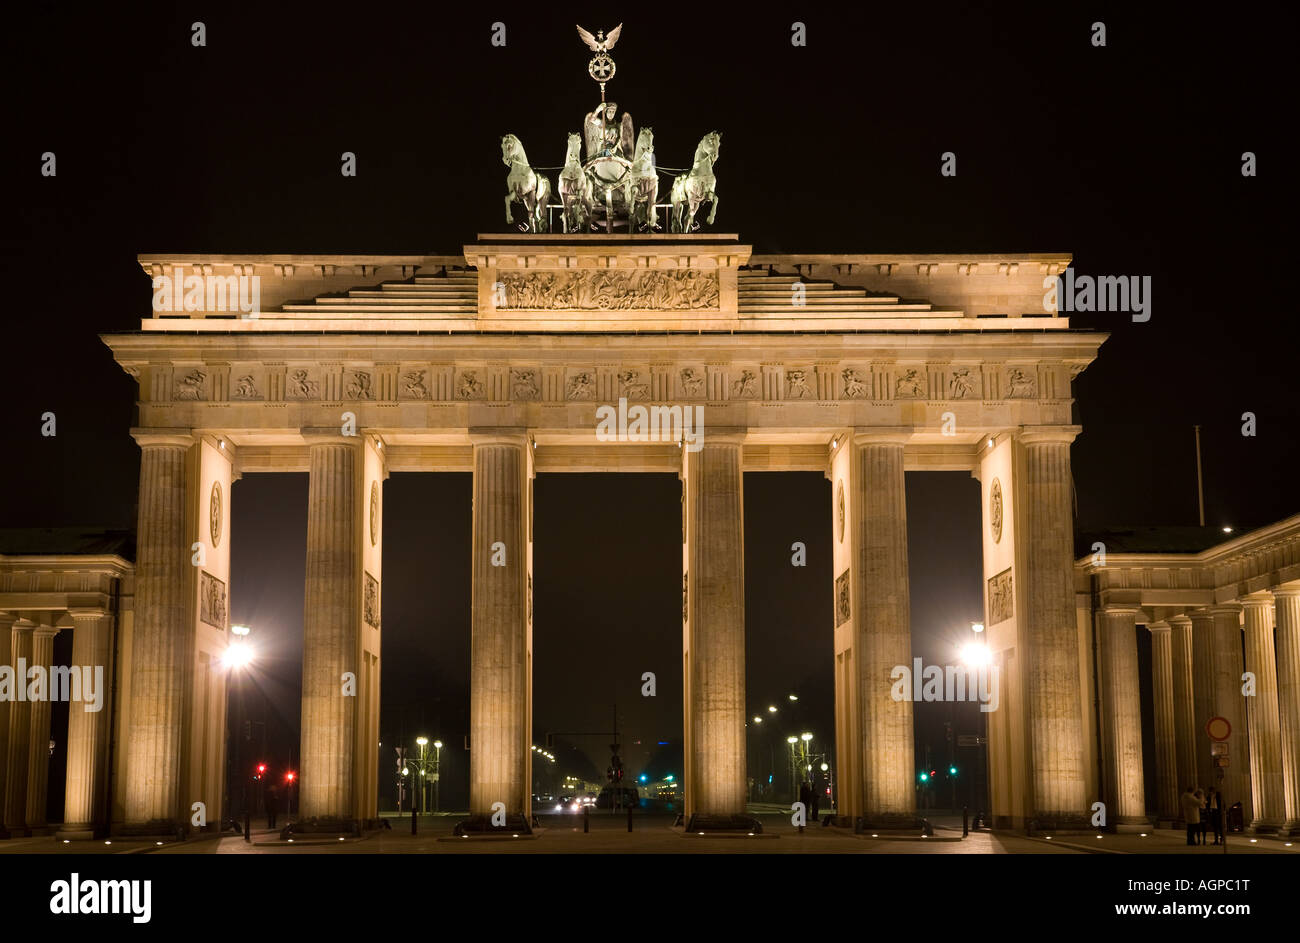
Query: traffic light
x,y
952,771
261,769
925,777
289,777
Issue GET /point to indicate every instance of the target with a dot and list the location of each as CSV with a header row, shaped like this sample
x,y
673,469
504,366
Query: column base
x,y
16,831
481,825
737,823
893,824
76,832
322,825
1290,829
1265,828
1059,822
1132,827
168,830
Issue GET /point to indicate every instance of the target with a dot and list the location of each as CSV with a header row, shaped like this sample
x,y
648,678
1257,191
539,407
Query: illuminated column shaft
x,y
1122,718
1166,751
1228,702
500,734
7,621
883,627
1055,720
331,614
88,731
38,748
1203,697
159,644
715,626
1184,737
20,731
1288,690
1262,717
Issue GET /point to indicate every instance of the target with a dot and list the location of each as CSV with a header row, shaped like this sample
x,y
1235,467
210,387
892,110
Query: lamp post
x,y
422,742
237,656
437,772
976,654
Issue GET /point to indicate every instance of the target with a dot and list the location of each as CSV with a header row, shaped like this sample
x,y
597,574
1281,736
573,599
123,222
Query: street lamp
x,y
772,709
237,656
422,742
437,772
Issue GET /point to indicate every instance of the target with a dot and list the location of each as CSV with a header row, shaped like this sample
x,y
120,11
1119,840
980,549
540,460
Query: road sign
x,y
1219,748
1221,761
1218,728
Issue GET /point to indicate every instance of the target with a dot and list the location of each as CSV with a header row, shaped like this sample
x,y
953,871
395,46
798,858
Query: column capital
x,y
47,631
1182,621
724,435
329,435
23,625
1287,590
1226,609
176,438
1260,600
1047,435
87,613
1201,615
1161,626
7,619
496,435
1120,609
881,435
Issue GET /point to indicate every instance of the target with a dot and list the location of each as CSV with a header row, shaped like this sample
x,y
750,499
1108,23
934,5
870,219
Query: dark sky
x,y
1127,156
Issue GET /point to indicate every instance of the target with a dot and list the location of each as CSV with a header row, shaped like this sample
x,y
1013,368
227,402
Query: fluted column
x,y
499,739
1227,702
7,621
38,747
88,731
1203,694
1162,674
883,627
1053,708
1122,718
715,626
1288,695
331,614
20,730
160,639
1182,675
1262,717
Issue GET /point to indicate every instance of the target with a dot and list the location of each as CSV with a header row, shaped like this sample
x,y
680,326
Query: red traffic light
x,y
289,776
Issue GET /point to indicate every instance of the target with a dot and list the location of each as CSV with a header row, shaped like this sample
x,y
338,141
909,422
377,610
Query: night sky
x,y
1127,156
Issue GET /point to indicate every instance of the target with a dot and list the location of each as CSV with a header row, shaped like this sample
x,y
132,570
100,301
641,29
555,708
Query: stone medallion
x,y
374,513
214,514
839,505
995,510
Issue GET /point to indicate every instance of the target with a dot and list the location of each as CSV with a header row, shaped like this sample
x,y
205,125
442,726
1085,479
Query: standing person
x,y
272,806
1204,800
805,796
1216,814
1191,813
815,795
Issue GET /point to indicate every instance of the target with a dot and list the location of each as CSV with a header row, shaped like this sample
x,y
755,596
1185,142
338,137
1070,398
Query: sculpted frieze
x,y
675,290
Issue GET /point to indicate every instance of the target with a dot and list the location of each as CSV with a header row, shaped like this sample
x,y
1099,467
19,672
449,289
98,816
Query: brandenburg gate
x,y
500,360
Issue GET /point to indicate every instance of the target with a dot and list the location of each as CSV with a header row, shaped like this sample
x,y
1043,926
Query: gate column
x,y
500,761
713,632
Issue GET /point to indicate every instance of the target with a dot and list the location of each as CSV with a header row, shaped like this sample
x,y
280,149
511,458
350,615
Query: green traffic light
x,y
952,770
925,777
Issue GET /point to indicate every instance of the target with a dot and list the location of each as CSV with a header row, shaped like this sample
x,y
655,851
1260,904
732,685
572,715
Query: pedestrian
x,y
1191,813
1204,800
1216,814
815,794
805,796
272,806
